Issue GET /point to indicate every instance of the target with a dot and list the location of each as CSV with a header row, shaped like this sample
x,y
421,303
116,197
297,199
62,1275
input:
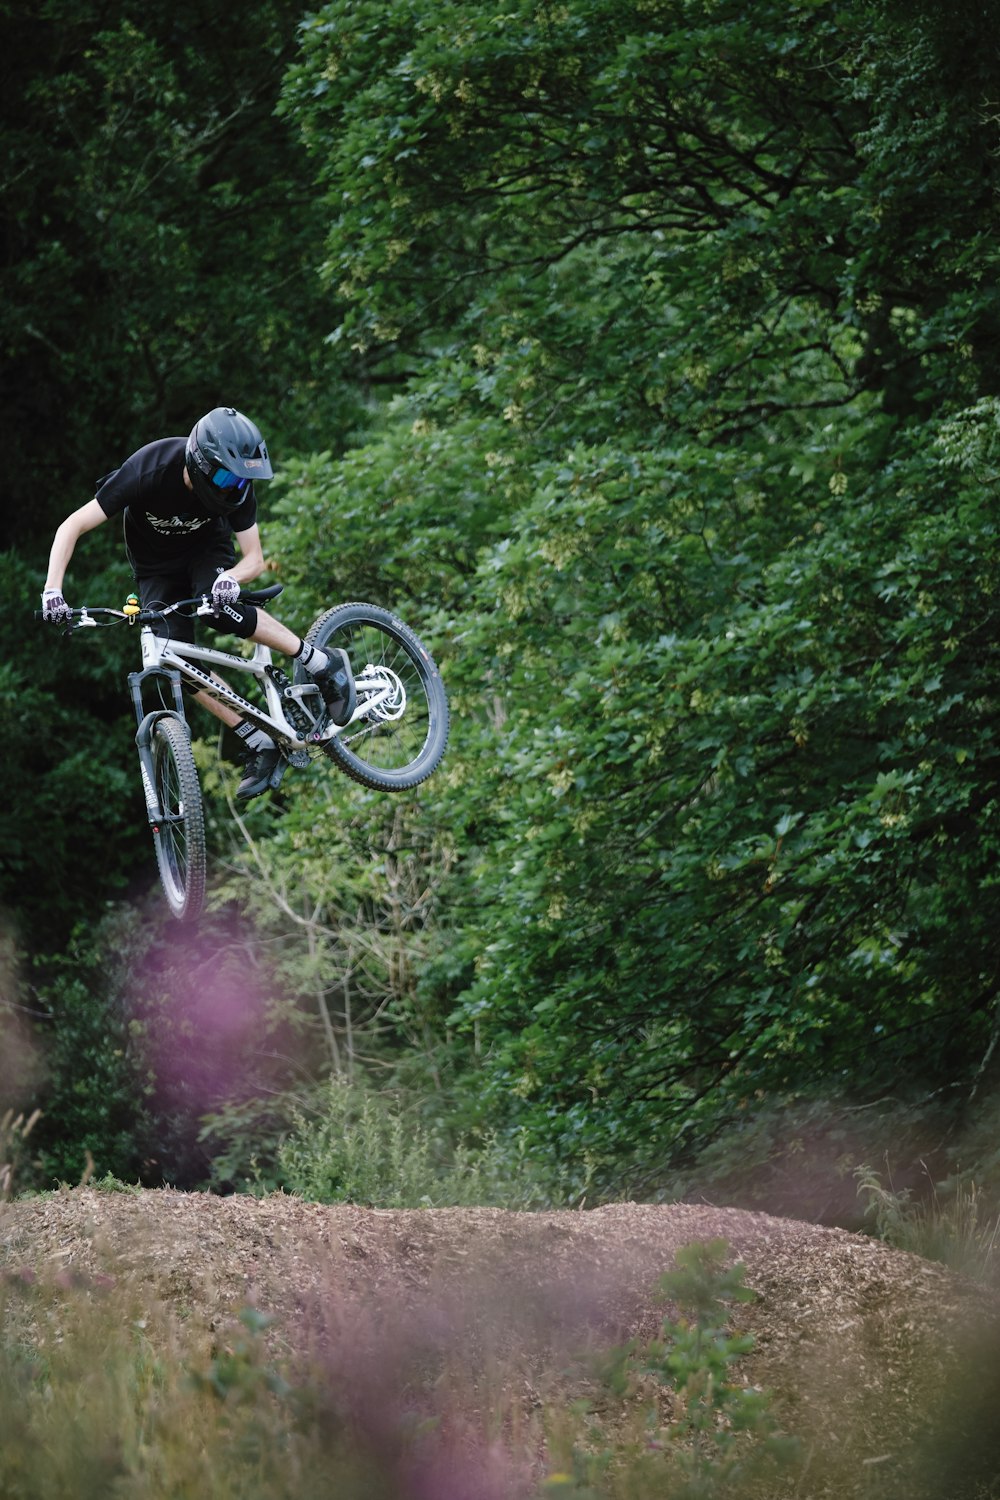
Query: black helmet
x,y
224,454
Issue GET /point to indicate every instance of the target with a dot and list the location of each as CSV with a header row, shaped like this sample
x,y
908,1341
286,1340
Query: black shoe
x,y
336,683
261,765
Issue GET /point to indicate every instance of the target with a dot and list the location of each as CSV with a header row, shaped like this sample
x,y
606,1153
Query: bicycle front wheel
x,y
400,739
179,837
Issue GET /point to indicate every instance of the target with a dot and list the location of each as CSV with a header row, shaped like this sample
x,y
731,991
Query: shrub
x,y
713,1433
953,1224
357,1146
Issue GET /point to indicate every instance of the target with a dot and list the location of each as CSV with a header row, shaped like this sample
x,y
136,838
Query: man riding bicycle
x,y
183,500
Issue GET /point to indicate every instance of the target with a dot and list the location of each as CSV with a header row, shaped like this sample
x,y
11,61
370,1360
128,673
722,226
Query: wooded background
x,y
645,358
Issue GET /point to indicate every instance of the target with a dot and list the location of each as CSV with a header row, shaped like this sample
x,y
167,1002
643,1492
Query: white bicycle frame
x,y
380,693
161,656
299,730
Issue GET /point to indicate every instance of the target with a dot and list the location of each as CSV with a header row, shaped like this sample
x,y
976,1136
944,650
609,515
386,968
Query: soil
x,y
864,1349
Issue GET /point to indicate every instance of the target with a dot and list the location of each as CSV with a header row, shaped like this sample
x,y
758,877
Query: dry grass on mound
x,y
865,1349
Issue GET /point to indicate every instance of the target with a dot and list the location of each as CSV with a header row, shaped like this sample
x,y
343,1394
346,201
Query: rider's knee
x,y
235,619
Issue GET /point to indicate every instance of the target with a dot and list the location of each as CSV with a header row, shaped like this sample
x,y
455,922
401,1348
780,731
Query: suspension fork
x,y
146,722
136,682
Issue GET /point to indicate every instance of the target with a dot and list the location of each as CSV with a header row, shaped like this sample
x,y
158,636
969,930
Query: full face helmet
x,y
223,456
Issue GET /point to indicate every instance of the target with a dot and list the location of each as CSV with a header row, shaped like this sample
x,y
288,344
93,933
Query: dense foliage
x,y
158,257
689,479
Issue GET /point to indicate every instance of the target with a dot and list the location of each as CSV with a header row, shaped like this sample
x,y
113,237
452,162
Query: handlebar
x,y
201,604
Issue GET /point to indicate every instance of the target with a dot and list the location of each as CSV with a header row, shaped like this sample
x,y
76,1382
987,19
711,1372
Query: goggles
x,y
223,480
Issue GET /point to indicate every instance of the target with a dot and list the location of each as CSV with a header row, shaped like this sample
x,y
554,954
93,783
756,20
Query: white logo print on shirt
x,y
175,523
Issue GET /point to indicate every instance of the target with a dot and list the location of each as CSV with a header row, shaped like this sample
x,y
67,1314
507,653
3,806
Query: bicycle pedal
x,y
275,778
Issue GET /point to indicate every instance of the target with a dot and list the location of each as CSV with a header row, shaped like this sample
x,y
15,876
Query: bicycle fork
x,y
156,816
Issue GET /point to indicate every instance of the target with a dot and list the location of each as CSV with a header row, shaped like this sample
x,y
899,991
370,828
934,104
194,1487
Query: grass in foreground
x,y
102,1398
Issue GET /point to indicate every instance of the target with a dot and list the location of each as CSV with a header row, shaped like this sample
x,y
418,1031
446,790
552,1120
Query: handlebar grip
x,y
39,614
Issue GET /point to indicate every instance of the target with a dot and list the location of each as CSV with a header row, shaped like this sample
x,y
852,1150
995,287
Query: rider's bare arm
x,y
66,537
251,560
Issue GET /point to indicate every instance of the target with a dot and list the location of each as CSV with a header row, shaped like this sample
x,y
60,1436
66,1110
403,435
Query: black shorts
x,y
184,582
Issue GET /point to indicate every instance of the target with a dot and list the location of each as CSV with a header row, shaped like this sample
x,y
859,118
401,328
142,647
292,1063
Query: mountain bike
x,y
395,738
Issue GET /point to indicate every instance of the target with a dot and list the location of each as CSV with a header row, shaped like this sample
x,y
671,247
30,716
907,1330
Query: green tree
x,y
689,293
689,481
159,246
158,243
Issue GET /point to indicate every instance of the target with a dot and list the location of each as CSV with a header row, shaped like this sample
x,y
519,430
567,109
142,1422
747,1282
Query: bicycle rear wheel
x,y
401,739
179,837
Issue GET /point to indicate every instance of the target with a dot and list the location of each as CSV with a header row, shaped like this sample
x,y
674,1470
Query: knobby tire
x,y
179,840
395,756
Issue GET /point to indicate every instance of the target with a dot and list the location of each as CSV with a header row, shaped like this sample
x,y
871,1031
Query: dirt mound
x,y
860,1344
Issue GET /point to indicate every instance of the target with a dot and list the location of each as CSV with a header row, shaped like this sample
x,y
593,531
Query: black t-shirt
x,y
165,524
